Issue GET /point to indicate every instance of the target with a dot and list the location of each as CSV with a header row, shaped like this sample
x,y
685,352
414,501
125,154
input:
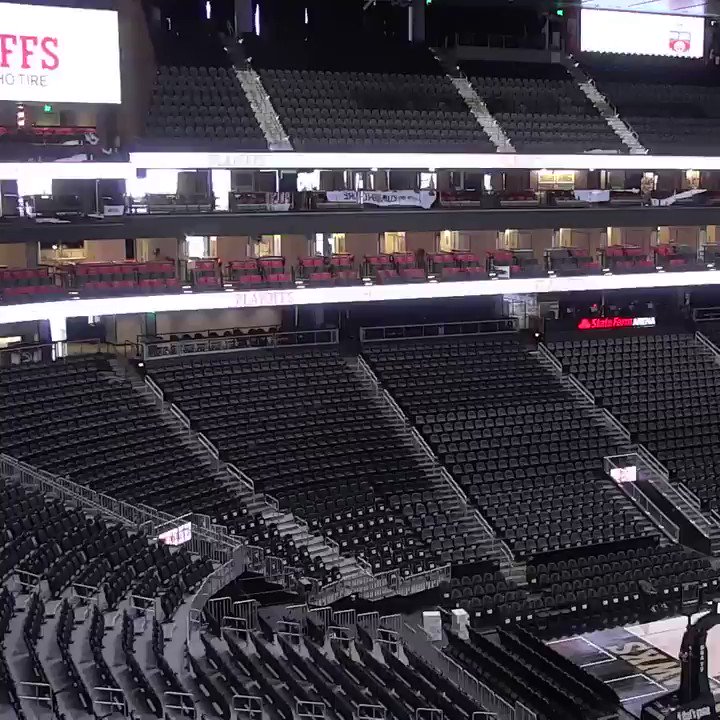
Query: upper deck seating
x,y
673,104
513,438
540,107
664,388
387,98
197,99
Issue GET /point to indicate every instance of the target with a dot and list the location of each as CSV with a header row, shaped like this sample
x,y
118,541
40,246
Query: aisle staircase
x,y
262,107
446,487
621,128
476,106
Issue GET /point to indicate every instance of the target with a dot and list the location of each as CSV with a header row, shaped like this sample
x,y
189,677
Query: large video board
x,y
642,33
59,54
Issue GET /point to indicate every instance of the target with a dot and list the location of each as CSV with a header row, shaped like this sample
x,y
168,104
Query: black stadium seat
x,y
514,439
395,98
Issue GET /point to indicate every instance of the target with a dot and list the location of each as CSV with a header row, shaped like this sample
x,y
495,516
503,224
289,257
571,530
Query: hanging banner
x,y
259,201
675,197
592,196
388,198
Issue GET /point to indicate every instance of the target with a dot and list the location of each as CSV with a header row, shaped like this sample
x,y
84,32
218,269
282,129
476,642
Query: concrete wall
x,y
199,320
415,241
137,63
232,247
293,247
360,244
679,235
145,249
126,328
19,255
109,250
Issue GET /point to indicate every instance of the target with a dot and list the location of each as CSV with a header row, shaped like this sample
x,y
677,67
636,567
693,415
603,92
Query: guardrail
x,y
160,349
376,587
497,543
545,353
455,329
211,541
32,354
630,487
708,344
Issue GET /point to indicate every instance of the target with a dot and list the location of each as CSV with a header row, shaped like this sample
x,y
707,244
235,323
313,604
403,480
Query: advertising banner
x,y
641,33
388,198
58,54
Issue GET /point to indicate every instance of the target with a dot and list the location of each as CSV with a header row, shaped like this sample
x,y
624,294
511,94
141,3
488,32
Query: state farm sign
x,y
58,54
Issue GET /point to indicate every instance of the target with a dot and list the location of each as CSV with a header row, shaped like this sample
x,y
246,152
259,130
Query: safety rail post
x,y
309,709
84,593
111,700
157,393
248,706
370,712
182,702
240,476
248,611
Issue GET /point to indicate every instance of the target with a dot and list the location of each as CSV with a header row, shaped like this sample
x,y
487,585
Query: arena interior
x,y
360,359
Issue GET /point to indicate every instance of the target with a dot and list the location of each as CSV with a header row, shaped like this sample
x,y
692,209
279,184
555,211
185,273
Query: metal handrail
x,y
138,516
154,388
579,387
165,349
544,350
502,325
420,441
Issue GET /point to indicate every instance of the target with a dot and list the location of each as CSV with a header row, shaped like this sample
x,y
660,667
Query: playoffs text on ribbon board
x,y
59,54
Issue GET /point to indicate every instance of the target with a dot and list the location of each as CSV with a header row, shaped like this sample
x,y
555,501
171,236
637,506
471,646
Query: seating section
x,y
489,597
78,559
77,417
522,669
516,263
673,104
197,100
122,277
572,261
677,258
513,438
621,259
540,107
664,388
458,265
299,423
36,285
395,98
297,670
593,592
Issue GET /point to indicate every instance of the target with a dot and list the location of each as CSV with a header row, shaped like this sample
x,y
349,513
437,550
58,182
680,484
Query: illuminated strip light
x,y
614,323
177,536
29,312
419,161
360,161
624,474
